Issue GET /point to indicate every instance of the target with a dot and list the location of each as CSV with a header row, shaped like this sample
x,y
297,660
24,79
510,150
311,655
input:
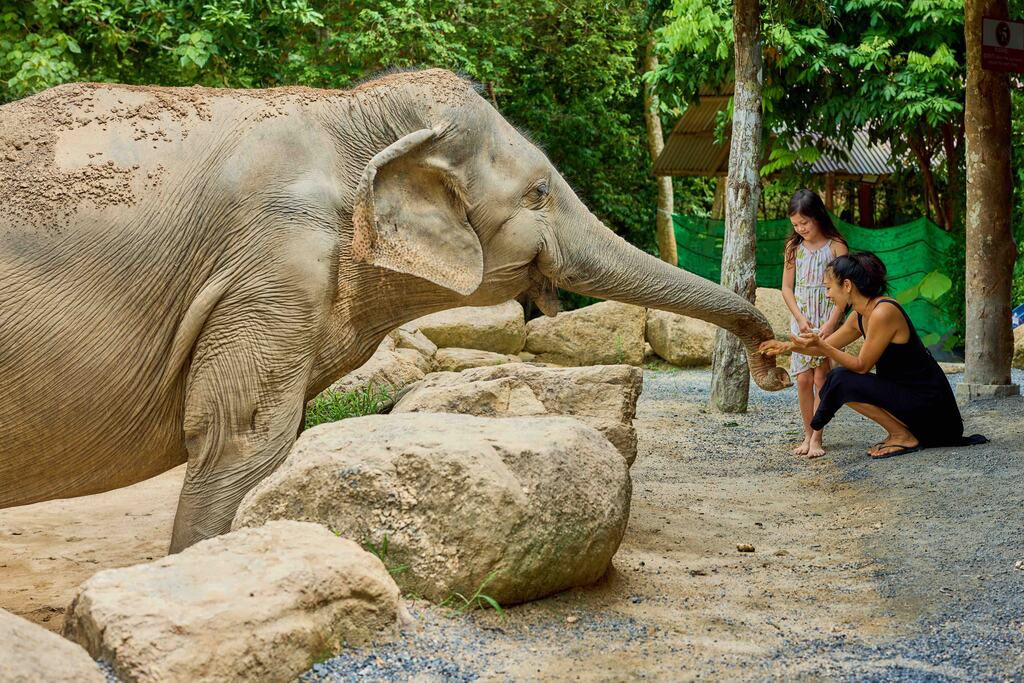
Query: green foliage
x,y
1017,147
331,406
620,350
479,600
783,158
933,286
955,304
894,68
237,43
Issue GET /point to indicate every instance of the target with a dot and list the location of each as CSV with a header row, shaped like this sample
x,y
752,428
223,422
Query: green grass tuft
x,y
332,406
479,600
381,551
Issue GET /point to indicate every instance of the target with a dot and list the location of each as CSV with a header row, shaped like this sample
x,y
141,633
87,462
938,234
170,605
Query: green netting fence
x,y
909,252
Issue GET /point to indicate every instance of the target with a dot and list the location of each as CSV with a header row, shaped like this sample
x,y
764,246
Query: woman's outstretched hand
x,y
809,344
773,347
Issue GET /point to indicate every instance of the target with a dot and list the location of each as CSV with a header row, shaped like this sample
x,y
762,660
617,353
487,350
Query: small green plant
x,y
661,365
460,603
381,551
331,406
620,351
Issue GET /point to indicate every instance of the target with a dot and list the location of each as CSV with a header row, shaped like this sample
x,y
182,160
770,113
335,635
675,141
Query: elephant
x,y
182,269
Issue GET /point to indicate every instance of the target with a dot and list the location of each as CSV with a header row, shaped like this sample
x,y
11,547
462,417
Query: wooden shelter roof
x,y
691,149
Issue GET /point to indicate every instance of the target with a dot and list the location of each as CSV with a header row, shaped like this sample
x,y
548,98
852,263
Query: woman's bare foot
x,y
804,447
894,444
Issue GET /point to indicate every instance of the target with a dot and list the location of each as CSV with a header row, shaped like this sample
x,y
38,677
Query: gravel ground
x,y
901,569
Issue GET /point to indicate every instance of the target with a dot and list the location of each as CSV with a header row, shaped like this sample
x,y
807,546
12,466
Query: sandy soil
x,y
892,570
48,549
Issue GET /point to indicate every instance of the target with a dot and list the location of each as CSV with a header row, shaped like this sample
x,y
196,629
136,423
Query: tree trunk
x,y
730,381
718,204
656,142
919,147
991,251
953,144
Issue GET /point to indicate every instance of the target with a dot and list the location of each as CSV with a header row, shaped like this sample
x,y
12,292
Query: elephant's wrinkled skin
x,y
181,269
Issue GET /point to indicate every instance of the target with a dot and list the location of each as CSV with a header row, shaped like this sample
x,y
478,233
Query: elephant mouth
x,y
543,292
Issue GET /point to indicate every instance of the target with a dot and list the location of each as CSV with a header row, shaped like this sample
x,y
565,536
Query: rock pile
x,y
602,396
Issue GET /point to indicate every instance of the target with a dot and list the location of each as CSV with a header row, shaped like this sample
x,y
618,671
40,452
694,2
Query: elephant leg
x,y
243,405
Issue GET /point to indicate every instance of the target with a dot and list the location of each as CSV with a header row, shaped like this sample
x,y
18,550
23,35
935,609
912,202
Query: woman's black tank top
x,y
907,362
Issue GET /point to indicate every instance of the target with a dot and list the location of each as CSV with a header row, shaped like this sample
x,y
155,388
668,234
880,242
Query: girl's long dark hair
x,y
865,270
808,203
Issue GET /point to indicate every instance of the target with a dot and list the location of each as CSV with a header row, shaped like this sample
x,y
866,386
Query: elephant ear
x,y
410,217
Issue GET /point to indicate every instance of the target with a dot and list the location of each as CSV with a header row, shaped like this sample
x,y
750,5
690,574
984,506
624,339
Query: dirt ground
x,y
900,569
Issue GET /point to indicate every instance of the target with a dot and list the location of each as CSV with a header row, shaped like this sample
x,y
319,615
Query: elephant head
x,y
464,200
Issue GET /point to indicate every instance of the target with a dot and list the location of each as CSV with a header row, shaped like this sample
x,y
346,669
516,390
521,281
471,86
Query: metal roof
x,y
691,149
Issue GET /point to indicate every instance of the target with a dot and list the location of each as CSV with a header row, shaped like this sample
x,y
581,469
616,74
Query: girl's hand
x,y
773,347
808,344
826,330
804,325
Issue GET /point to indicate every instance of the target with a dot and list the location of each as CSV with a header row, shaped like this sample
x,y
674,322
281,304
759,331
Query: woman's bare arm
x,y
836,319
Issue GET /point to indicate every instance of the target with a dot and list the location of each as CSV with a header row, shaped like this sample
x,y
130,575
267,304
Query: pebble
x,y
744,547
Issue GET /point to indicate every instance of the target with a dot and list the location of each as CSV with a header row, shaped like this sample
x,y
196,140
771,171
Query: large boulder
x,y
499,329
603,396
391,367
606,333
770,302
455,360
254,605
682,341
30,653
1018,347
522,507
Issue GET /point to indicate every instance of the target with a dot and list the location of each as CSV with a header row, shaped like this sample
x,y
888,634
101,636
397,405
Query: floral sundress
x,y
811,299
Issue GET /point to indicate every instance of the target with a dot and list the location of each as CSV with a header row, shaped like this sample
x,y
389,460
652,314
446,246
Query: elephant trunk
x,y
590,259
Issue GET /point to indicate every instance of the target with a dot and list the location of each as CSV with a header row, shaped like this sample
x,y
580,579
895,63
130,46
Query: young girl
x,y
812,246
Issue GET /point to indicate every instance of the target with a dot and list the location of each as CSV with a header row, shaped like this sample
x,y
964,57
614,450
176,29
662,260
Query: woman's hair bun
x,y
865,270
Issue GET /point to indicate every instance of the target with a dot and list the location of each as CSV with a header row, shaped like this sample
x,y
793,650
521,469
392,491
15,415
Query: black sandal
x,y
900,450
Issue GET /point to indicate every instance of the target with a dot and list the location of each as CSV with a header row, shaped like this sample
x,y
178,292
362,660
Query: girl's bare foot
x,y
815,448
804,447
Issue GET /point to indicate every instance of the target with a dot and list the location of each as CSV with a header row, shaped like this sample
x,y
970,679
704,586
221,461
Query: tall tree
x,y
991,250
730,381
656,143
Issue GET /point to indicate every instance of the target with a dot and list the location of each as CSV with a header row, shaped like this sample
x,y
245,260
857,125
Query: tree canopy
x,y
568,73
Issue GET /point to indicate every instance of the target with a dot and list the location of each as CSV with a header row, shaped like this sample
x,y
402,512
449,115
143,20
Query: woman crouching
x,y
908,395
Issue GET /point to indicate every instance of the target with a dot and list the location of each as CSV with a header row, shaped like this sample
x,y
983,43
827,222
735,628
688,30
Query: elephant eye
x,y
537,193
